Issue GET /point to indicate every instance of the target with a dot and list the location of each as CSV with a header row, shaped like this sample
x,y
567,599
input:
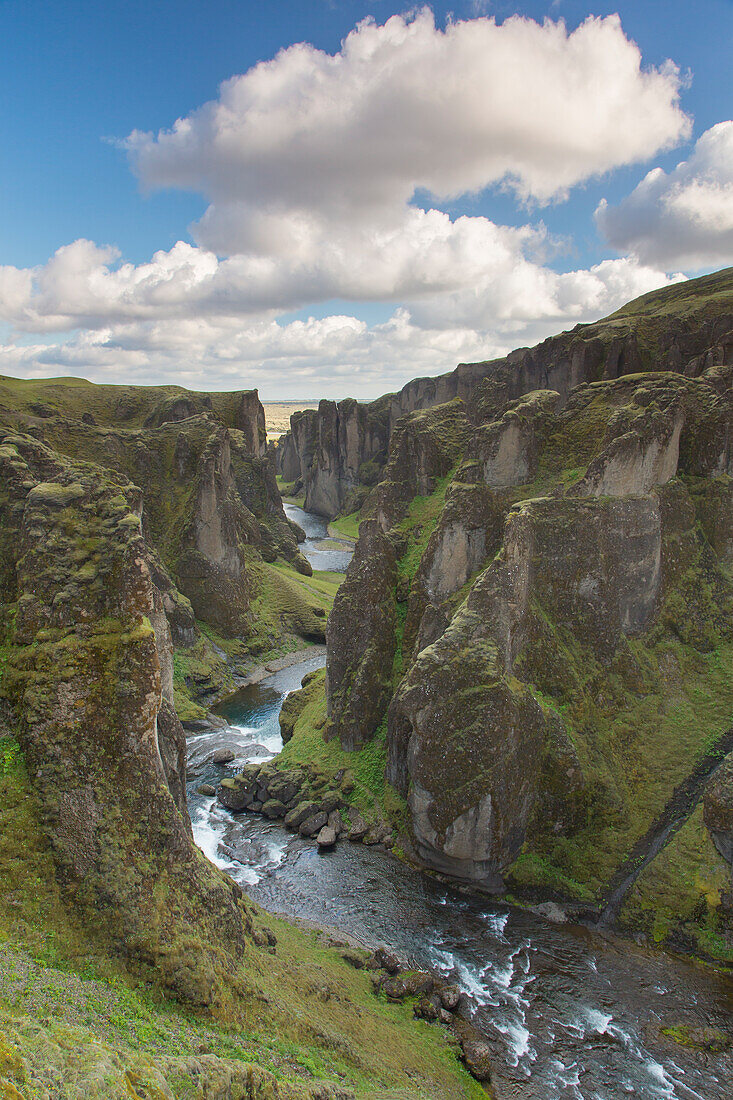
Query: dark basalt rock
x,y
326,837
313,824
300,813
477,1056
361,640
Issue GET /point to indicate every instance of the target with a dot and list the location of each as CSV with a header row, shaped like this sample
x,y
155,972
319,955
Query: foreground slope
x,y
144,560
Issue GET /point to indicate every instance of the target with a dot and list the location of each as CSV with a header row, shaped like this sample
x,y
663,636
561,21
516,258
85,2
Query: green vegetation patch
x,y
678,894
364,770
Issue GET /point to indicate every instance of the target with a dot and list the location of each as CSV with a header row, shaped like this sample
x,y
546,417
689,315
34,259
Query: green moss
x,y
348,526
530,872
370,793
679,893
418,525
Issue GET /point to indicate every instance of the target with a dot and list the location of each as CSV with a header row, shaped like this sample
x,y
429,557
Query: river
x,y
569,1013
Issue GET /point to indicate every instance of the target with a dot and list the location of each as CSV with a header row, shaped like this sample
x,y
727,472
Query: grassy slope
x,y
346,525
71,396
286,608
71,1015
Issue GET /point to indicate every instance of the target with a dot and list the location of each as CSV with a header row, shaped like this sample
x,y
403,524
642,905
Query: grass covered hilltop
x,y
145,560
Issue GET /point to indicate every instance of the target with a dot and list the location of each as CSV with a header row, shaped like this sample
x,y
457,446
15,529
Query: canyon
x,y
527,691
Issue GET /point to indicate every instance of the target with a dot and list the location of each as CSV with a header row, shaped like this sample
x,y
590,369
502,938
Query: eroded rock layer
x,y
553,621
338,450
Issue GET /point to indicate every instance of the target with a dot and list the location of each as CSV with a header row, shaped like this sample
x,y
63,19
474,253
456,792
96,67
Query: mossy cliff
x,y
548,630
129,965
337,452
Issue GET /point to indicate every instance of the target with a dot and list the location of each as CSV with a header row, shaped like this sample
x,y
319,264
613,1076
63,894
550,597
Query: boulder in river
x,y
223,756
326,837
294,818
234,795
450,995
313,824
206,789
477,1056
273,809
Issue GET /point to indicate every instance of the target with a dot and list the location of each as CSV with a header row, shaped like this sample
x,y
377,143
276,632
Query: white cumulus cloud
x,y
309,145
183,318
684,218
312,165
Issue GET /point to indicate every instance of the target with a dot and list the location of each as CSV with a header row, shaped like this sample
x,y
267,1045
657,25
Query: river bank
x,y
568,1013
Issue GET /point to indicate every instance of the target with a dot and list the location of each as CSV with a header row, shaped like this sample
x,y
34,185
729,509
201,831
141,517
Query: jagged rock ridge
x,y
337,450
543,610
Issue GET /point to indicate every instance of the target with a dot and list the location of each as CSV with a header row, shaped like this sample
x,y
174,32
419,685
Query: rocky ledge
x,y
296,796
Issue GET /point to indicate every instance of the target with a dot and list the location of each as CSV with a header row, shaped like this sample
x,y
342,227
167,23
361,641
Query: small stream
x,y
322,551
569,1013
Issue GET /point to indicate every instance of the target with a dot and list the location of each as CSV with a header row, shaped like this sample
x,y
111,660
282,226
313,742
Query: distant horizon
x,y
318,197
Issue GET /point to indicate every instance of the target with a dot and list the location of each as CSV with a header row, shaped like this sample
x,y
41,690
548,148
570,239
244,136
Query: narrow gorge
x,y
392,759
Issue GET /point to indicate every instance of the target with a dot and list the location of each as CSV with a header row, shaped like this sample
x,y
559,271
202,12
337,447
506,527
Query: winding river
x,y
569,1013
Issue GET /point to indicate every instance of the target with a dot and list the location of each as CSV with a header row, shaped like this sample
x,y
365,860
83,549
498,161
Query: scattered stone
x,y
335,822
273,809
255,807
428,1008
373,836
330,801
359,827
313,824
206,789
411,983
295,817
223,756
285,787
326,837
354,957
450,995
551,911
233,796
445,1017
477,1056
270,936
387,960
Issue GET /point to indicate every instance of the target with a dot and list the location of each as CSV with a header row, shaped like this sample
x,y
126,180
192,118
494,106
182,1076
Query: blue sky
x,y
78,78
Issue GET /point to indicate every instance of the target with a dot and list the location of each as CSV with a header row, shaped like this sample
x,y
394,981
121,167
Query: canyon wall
x,y
548,647
338,450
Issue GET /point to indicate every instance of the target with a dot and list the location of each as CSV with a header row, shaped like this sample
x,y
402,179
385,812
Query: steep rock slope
x,y
684,328
562,646
98,867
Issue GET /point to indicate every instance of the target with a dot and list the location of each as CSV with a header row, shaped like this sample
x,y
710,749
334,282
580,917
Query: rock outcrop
x,y
86,684
559,604
361,640
338,451
686,329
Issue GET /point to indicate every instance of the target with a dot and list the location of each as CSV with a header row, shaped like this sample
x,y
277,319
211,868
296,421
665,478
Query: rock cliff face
x,y
554,634
337,450
685,329
142,538
122,528
87,678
